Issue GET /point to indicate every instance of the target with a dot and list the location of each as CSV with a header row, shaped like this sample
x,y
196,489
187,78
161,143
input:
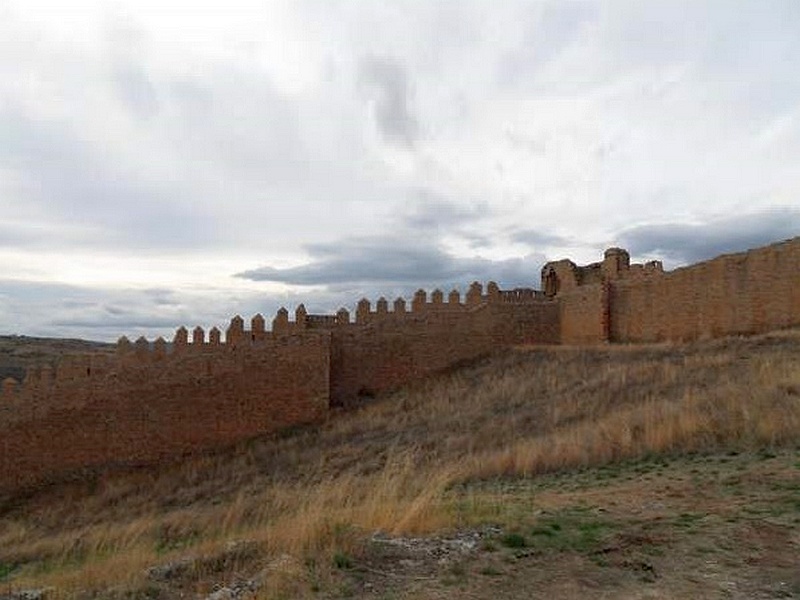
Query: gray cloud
x,y
410,257
130,80
136,89
396,262
549,29
536,238
432,211
387,83
46,308
241,122
688,243
43,235
71,180
12,235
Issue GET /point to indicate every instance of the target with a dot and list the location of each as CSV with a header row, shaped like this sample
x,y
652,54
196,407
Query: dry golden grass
x,y
304,497
689,424
300,521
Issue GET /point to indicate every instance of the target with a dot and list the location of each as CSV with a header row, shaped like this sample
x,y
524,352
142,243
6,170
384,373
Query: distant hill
x,y
18,353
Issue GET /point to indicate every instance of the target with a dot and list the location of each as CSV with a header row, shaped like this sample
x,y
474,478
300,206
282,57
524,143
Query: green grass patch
x,y
514,540
342,561
575,529
5,570
688,520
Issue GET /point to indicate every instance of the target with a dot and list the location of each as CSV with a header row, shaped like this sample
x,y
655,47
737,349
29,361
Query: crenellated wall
x,y
615,301
147,403
745,293
385,348
153,401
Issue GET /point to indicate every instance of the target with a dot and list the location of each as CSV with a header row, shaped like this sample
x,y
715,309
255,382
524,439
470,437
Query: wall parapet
x,y
150,399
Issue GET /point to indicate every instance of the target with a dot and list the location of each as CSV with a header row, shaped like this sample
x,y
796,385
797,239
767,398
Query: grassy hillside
x,y
656,471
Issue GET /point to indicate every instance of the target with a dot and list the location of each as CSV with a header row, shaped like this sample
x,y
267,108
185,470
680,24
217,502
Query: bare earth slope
x,y
664,471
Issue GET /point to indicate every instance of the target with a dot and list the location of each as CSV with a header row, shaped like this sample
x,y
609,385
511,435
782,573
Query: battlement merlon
x,y
564,275
615,261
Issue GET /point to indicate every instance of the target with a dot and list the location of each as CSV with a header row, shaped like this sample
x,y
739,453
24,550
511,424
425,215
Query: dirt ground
x,y
723,527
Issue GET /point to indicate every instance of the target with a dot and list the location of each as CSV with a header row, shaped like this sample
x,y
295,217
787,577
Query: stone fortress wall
x,y
145,405
156,401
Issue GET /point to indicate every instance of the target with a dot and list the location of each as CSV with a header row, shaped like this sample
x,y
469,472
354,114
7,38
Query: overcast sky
x,y
166,163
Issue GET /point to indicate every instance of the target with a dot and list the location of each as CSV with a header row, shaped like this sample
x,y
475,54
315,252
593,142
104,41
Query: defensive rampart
x,y
147,404
613,300
155,401
744,293
389,348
